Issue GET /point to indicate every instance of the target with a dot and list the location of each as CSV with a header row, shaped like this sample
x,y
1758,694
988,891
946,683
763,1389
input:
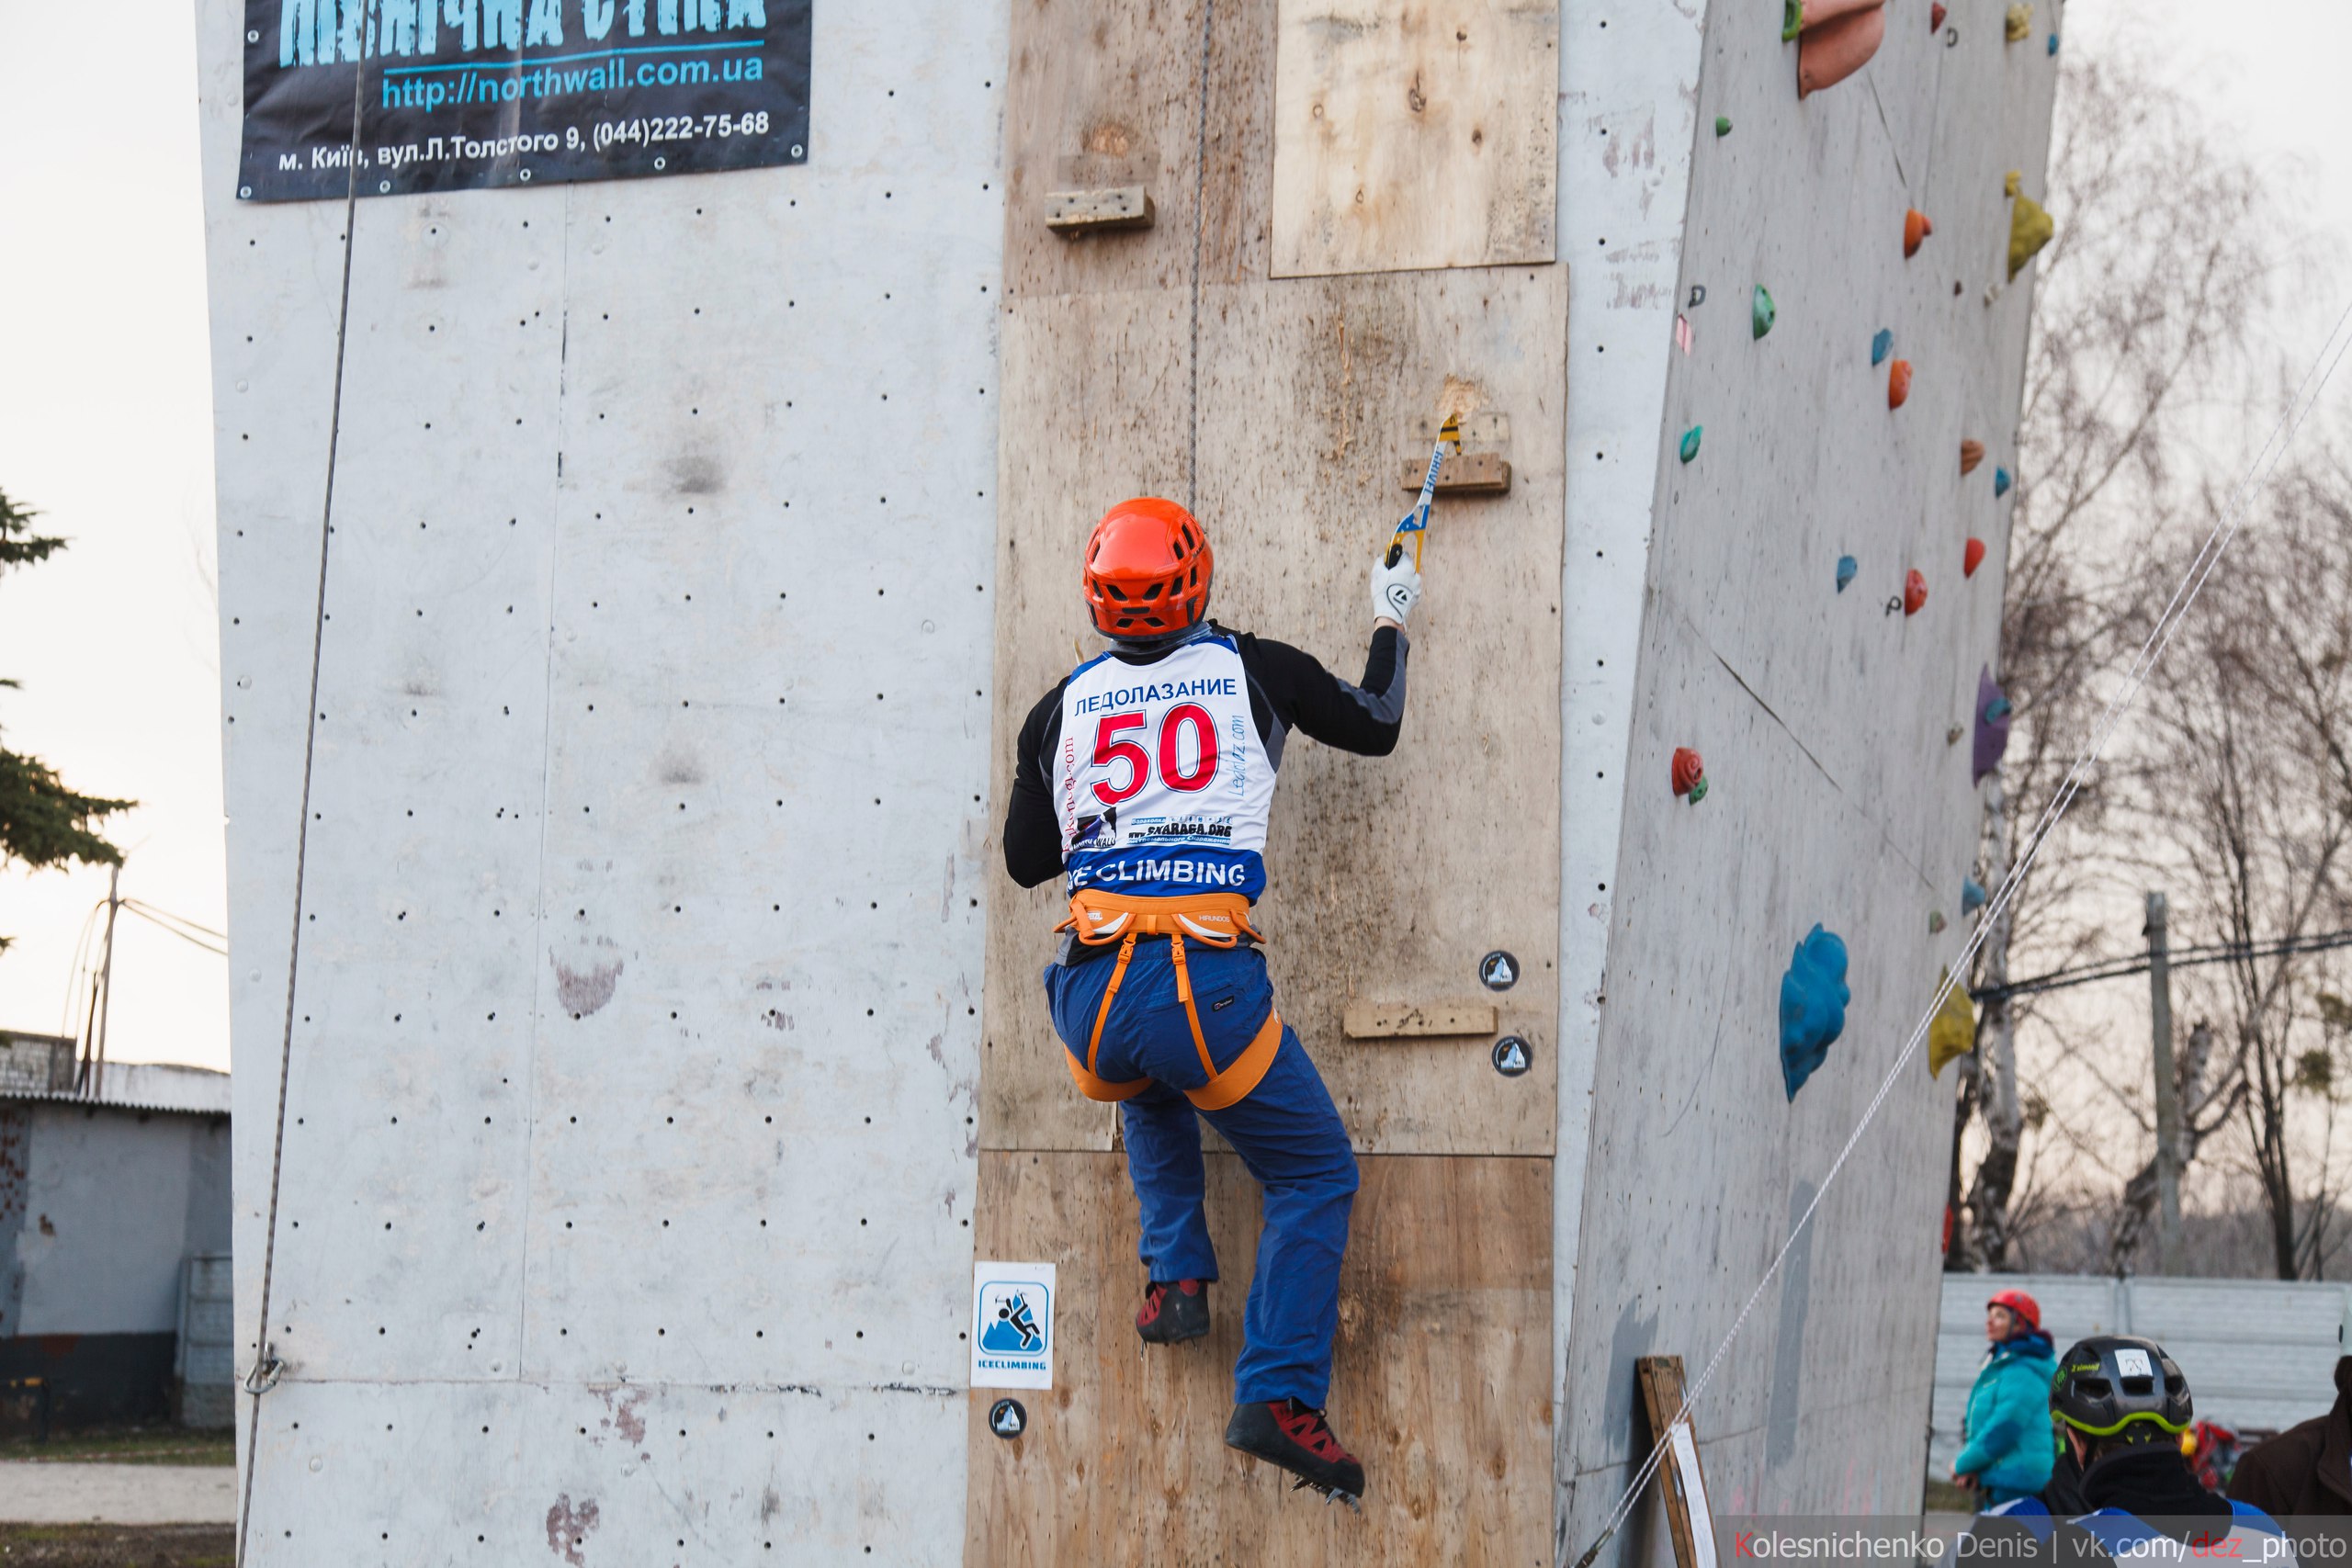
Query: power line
x,y
2183,958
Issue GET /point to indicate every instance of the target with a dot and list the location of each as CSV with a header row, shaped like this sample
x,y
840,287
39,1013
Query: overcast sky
x,y
106,425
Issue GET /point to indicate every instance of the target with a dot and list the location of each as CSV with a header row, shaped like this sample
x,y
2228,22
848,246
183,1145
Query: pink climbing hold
x,y
1899,383
1682,333
1915,593
1972,555
1836,39
1688,769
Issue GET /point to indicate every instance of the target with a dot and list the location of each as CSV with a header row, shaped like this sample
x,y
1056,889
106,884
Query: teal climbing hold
x,y
1813,1006
1998,709
2000,481
1723,125
1972,895
2053,44
1882,346
1691,442
1762,312
1847,568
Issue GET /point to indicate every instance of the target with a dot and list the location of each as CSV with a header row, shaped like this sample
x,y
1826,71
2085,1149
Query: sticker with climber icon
x,y
1498,971
1511,1056
1013,1325
1007,1418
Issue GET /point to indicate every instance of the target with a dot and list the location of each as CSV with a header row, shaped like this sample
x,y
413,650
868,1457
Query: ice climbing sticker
x,y
1498,971
459,95
1013,1325
1007,1420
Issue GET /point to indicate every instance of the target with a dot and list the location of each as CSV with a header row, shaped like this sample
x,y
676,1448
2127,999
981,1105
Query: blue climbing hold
x,y
1972,895
2053,44
1813,1006
2000,481
1690,441
1847,568
1882,346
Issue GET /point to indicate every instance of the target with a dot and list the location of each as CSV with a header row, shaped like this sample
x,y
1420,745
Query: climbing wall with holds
x,y
1286,414
625,1179
1822,587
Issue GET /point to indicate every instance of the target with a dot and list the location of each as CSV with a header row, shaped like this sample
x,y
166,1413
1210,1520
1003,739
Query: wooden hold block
x,y
1690,1517
1400,1021
1464,473
1096,211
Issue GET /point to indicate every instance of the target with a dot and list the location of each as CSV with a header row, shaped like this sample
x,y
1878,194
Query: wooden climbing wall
x,y
1390,877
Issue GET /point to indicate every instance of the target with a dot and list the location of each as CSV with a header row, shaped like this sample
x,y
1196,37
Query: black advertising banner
x,y
456,95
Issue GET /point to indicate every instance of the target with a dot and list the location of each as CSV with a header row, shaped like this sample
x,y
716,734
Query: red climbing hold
x,y
1916,228
1688,769
1915,592
1898,383
1935,23
1971,454
1972,555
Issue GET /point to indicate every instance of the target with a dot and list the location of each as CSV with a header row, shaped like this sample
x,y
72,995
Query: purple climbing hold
x,y
1813,1006
1991,726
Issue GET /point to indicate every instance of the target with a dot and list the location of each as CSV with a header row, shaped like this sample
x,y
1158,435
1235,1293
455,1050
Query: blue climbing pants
x,y
1286,1131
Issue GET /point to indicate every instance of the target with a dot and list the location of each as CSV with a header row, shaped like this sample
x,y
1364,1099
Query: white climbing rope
x,y
2152,649
265,1370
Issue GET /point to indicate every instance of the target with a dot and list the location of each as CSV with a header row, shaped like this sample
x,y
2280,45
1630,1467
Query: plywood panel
x,y
1441,1387
1414,133
1390,877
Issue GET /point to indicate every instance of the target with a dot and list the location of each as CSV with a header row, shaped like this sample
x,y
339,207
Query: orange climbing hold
x,y
1836,39
1971,454
1916,228
1915,593
1898,383
1972,555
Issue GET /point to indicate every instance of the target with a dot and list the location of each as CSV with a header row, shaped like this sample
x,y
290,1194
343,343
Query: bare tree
x,y
2244,780
2156,274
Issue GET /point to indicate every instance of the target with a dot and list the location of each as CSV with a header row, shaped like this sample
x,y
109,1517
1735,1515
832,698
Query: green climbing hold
x,y
1792,20
1691,442
1762,312
1723,125
1699,790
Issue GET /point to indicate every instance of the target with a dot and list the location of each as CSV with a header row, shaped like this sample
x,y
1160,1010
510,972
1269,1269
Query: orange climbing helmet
x,y
1148,569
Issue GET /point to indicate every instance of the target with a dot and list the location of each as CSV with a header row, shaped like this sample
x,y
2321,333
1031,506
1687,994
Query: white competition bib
x,y
1163,786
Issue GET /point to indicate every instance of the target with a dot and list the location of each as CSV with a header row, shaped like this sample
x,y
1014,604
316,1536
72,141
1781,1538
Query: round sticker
x,y
1007,1420
1511,1056
1498,971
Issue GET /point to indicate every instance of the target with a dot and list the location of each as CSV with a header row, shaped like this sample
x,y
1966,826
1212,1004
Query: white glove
x,y
1396,589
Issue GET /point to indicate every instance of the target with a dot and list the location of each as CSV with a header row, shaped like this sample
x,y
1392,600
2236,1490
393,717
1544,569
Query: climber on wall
x,y
1145,777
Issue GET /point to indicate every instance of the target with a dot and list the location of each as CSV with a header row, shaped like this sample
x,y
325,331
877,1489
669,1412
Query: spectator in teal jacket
x,y
2008,1446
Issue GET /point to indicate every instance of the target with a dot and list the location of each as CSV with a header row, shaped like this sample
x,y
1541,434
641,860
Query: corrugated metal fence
x,y
206,1368
2259,1354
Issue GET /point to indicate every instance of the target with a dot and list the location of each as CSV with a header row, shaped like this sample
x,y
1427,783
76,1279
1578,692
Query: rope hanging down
x,y
1200,221
262,1375
2184,596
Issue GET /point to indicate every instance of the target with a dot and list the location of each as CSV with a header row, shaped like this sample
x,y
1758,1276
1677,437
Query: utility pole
x,y
2167,1092
106,986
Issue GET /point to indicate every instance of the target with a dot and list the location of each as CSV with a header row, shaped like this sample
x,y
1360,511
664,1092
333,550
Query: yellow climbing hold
x,y
2018,23
1951,1034
2029,227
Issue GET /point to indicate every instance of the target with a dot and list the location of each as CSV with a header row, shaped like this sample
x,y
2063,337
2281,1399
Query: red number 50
x,y
1108,750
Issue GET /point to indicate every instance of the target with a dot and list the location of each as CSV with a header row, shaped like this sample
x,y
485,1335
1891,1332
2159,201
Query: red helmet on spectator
x,y
2027,1310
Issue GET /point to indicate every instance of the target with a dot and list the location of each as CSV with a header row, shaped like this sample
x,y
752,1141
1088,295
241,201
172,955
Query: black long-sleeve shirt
x,y
1288,690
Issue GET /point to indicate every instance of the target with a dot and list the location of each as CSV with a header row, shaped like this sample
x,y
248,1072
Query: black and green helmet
x,y
2111,1382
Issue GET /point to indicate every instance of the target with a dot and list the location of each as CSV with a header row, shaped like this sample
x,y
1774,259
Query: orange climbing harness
x,y
1218,920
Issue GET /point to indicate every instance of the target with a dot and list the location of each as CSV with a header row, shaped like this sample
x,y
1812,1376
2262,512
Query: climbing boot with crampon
x,y
1173,1311
1296,1437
